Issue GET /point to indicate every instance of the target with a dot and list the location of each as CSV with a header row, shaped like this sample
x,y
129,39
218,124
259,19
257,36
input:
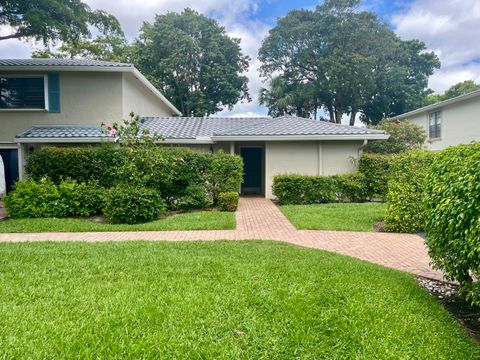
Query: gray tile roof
x,y
193,128
61,62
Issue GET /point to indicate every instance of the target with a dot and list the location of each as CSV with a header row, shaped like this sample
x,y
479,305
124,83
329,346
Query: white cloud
x,y
451,29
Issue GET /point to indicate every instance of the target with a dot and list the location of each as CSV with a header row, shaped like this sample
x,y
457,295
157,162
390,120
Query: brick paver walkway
x,y
259,218
3,212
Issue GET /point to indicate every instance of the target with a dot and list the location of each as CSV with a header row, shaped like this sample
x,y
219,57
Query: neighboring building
x,y
450,122
68,92
64,101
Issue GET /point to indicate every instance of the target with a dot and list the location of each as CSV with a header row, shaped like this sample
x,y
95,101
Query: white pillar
x,y
232,147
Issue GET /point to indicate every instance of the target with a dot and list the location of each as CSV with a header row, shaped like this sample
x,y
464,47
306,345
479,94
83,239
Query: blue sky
x,y
448,27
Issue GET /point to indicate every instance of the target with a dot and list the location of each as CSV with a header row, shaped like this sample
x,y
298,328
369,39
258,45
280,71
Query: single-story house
x,y
73,97
450,122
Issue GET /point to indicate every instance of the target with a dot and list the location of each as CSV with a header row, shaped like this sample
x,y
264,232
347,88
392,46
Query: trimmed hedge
x,y
303,189
177,173
453,218
406,209
43,199
129,204
228,201
376,168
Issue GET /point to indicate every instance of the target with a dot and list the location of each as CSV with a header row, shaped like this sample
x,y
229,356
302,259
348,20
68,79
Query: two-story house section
x,y
69,92
451,122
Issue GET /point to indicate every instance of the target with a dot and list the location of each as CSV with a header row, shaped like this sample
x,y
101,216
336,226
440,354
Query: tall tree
x,y
458,89
106,48
193,61
354,62
52,20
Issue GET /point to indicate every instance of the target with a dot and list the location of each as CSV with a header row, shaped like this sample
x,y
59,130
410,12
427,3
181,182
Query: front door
x,y
10,162
252,169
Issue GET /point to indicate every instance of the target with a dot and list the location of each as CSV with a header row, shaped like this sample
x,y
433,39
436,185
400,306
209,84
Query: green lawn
x,y
198,220
346,217
204,300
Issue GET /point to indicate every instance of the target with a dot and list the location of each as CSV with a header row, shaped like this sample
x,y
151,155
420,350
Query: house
x,y
450,122
68,92
84,94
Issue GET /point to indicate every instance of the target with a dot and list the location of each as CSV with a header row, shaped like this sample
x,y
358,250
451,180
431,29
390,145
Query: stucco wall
x,y
460,124
85,98
309,158
140,100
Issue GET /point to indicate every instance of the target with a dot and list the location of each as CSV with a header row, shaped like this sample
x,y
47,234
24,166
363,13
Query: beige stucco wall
x,y
139,99
85,98
460,124
309,158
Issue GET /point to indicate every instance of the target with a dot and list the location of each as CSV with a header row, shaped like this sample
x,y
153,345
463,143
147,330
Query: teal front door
x,y
252,170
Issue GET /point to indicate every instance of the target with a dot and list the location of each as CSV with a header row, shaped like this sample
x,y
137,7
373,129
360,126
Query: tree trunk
x,y
338,116
330,112
353,115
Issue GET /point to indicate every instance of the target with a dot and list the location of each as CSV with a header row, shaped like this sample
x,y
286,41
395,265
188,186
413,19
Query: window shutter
x,y
53,93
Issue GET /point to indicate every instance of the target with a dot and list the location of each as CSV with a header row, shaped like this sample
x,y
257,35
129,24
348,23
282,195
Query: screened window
x,y
435,125
22,93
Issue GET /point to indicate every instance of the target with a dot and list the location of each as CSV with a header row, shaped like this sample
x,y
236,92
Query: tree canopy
x,y
53,20
458,89
350,61
404,136
193,61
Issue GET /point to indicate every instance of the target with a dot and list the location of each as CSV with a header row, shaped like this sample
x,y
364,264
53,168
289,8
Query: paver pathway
x,y
3,212
259,218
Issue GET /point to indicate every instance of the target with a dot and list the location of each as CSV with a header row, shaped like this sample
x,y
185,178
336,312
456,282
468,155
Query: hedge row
x,y
184,178
453,216
302,189
376,168
406,211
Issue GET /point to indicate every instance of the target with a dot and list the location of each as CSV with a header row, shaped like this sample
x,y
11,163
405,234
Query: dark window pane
x,y
22,93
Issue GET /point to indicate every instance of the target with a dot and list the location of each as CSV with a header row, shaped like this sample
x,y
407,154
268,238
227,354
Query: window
x,y
22,92
435,125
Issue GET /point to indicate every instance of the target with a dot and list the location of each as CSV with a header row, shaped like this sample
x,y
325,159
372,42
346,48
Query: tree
x,y
458,89
283,98
193,61
52,20
353,62
106,48
404,136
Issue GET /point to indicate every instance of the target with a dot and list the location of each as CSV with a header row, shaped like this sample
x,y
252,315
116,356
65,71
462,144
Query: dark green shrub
x,y
228,201
376,168
351,187
83,164
406,192
453,217
130,204
404,136
43,199
196,197
225,174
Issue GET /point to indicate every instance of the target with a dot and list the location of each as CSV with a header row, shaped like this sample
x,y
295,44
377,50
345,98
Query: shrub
x,y
129,204
228,201
376,169
351,187
195,198
404,136
225,174
42,199
303,189
406,189
453,217
83,164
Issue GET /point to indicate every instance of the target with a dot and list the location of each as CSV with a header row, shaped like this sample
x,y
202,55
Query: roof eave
x,y
62,140
300,137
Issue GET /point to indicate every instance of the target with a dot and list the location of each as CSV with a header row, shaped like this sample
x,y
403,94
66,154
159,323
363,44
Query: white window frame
x,y
437,124
45,90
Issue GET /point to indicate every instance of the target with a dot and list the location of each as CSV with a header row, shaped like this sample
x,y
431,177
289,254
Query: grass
x,y
198,220
344,217
261,300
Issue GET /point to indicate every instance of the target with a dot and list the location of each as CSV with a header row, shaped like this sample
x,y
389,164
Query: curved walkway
x,y
259,218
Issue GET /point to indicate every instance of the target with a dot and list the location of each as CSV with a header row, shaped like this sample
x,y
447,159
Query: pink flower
x,y
113,132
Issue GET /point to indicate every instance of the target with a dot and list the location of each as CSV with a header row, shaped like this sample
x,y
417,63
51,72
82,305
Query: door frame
x,y
260,146
19,149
